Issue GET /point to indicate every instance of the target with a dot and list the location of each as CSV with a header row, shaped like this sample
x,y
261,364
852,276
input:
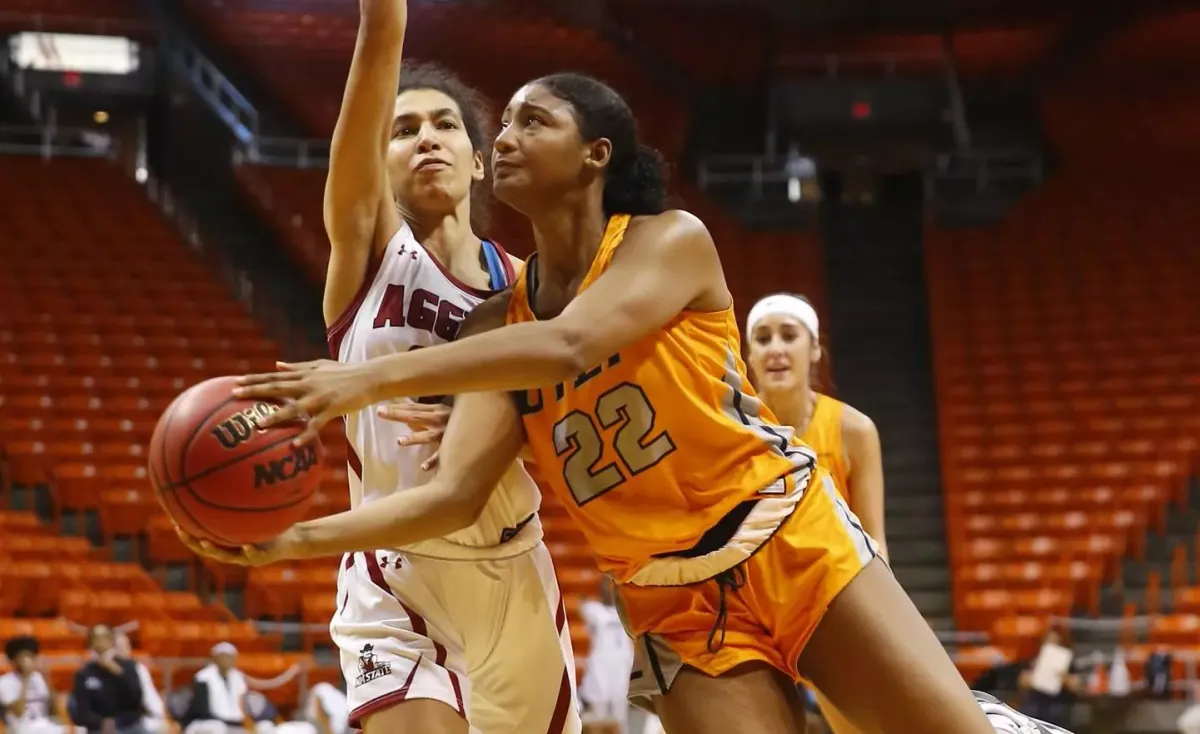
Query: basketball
x,y
223,479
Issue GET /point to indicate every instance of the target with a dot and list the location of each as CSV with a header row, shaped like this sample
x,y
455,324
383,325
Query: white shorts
x,y
488,638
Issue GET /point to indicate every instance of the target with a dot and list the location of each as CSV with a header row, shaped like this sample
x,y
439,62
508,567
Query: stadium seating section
x,y
701,40
104,317
1066,353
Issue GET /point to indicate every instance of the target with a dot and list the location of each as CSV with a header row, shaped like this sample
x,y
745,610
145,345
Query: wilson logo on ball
x,y
287,467
240,427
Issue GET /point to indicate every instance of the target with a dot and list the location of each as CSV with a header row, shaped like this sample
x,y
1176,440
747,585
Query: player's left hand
x,y
283,548
427,421
314,392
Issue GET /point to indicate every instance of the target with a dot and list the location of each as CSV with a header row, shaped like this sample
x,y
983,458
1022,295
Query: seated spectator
x,y
154,719
327,709
25,696
107,696
218,697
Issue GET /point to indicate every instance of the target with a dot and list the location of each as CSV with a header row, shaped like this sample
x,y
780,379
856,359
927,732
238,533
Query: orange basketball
x,y
223,479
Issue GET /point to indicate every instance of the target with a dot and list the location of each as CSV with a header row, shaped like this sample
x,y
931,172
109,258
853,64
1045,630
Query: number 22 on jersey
x,y
623,419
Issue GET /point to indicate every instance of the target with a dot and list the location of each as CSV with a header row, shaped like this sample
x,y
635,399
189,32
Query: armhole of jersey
x,y
496,269
336,332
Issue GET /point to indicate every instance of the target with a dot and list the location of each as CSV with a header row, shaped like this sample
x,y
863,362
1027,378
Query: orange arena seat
x,y
1067,398
82,383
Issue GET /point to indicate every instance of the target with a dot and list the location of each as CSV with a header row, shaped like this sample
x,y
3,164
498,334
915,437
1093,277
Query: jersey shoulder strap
x,y
495,259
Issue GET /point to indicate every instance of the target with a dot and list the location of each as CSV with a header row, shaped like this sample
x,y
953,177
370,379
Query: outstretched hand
x,y
284,548
313,392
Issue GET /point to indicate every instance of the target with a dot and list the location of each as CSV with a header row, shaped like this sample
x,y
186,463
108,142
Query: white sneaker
x,y
1008,720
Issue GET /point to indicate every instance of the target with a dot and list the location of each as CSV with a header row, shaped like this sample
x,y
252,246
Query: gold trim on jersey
x,y
773,504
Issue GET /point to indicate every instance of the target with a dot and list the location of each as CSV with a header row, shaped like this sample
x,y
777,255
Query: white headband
x,y
781,304
223,648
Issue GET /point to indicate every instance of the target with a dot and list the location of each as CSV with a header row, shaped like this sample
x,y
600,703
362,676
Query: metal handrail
x,y
52,142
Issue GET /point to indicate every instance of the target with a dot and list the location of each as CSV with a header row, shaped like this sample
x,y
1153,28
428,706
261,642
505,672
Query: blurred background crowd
x,y
991,203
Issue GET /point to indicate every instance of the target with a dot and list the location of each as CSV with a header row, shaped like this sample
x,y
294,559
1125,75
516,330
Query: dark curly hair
x,y
18,645
636,180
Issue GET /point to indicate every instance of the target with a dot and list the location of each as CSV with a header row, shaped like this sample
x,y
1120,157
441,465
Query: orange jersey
x,y
824,435
653,447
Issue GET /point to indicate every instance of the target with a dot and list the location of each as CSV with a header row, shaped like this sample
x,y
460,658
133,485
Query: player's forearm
x,y
517,357
383,17
871,515
407,517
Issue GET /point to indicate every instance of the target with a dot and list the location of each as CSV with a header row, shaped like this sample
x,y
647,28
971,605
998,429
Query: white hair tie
x,y
782,304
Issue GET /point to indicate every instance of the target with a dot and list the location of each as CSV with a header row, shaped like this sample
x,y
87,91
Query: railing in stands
x,y
213,86
754,170
291,152
51,141
237,112
874,64
985,167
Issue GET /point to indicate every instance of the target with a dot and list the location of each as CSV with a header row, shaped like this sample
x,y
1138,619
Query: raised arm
x,y
666,265
360,216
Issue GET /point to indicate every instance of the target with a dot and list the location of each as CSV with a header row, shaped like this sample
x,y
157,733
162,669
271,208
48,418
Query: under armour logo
x,y
405,251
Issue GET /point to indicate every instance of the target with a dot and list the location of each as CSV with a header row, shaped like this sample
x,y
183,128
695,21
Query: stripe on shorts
x,y
419,626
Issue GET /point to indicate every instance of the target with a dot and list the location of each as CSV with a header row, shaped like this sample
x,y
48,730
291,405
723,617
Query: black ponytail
x,y
638,187
636,181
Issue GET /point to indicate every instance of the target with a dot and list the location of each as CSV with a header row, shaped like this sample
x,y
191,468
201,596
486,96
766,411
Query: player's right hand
x,y
262,554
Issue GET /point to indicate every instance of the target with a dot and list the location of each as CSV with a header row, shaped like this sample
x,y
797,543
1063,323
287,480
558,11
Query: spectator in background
x,y
327,709
801,172
1049,705
154,717
218,695
107,696
604,689
25,695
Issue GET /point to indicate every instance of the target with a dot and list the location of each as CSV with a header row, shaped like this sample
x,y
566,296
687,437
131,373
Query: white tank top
x,y
407,302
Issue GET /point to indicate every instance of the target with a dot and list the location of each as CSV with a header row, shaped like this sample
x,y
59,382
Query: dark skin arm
x,y
666,265
483,437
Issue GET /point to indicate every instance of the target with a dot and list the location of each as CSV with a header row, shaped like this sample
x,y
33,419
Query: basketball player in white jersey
x,y
466,633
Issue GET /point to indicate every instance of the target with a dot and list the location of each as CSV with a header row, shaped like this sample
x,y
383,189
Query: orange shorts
x,y
787,585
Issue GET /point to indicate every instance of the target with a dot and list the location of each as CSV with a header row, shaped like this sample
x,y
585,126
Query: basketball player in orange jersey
x,y
464,632
616,357
783,333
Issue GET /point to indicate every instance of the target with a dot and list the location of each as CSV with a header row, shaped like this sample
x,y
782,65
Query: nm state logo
x,y
369,667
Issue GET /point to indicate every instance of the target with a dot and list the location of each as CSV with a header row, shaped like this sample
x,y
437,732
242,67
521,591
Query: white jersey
x,y
411,301
37,699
